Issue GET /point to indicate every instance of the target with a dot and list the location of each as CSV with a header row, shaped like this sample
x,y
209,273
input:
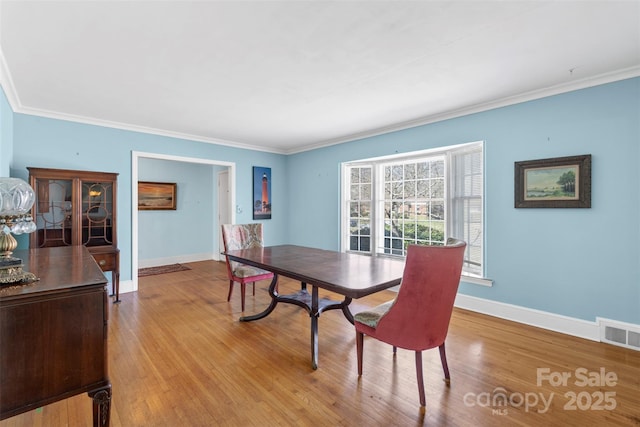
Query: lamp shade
x,y
16,197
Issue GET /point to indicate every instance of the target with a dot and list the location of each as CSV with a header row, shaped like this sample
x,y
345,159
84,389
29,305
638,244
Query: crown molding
x,y
144,129
585,83
12,96
7,84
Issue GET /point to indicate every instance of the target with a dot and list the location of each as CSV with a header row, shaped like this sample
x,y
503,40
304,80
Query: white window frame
x,y
471,273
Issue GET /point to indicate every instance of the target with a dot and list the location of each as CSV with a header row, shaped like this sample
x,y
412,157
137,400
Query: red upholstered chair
x,y
418,318
243,236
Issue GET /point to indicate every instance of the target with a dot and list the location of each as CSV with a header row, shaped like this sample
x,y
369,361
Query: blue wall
x,y
6,134
188,230
581,263
51,143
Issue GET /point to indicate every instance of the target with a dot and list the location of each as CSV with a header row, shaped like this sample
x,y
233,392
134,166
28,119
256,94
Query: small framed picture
x,y
261,193
156,196
561,182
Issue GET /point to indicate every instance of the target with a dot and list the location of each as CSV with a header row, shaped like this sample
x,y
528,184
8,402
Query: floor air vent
x,y
621,334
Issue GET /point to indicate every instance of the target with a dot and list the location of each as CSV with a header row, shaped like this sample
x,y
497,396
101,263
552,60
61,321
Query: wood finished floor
x,y
179,357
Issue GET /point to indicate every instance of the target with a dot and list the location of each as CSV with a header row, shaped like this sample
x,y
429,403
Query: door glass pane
x,y
53,212
97,213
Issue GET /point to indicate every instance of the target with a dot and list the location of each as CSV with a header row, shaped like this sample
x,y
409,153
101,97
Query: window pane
x,y
355,175
423,231
355,192
365,244
408,212
423,170
359,205
410,171
437,188
387,190
387,210
437,169
437,211
410,189
353,230
365,175
396,191
365,209
365,229
396,174
422,189
354,208
365,192
353,243
395,211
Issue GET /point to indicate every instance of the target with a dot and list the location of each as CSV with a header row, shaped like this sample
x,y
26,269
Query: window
x,y
360,209
419,198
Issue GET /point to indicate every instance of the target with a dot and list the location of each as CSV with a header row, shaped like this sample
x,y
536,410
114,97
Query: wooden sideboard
x,y
53,333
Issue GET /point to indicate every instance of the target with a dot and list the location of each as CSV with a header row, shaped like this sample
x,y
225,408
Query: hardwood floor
x,y
179,357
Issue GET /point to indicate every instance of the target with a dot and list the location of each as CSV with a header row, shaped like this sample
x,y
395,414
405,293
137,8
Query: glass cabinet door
x,y
97,213
54,212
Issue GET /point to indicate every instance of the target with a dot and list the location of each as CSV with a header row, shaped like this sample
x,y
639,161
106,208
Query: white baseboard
x,y
181,259
529,316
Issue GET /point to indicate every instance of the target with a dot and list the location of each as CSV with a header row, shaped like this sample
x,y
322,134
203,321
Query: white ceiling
x,y
287,76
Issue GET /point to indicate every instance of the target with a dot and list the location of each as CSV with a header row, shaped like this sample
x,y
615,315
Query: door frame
x,y
135,157
223,203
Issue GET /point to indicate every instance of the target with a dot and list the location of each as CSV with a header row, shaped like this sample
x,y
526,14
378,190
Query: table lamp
x,y
16,200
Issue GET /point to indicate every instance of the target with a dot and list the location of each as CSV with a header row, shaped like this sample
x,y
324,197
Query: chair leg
x,y
395,349
359,345
243,287
230,290
445,367
419,377
254,288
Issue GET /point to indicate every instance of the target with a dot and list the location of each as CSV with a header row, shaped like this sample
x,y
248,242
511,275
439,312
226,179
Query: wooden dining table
x,y
346,274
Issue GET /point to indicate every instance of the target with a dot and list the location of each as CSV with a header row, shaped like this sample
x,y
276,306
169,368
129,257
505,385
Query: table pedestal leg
x,y
346,311
310,302
314,327
268,310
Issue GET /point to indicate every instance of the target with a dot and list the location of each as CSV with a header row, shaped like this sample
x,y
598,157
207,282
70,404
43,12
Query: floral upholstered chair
x,y
418,318
243,236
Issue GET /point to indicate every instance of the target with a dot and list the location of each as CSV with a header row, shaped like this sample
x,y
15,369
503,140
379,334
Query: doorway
x,y
135,157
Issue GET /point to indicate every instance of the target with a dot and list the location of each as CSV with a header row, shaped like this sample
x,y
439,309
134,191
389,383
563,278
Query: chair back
x,y
241,236
419,318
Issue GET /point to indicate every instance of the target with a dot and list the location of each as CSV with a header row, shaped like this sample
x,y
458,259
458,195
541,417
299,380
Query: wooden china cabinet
x,y
75,208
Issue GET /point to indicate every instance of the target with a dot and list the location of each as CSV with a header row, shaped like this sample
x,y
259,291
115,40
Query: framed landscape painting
x,y
561,182
156,196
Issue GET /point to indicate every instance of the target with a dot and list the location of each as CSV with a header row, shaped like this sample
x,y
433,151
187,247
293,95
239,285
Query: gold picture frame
x,y
156,196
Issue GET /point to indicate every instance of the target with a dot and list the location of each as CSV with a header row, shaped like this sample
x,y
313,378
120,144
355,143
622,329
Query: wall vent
x,y
620,334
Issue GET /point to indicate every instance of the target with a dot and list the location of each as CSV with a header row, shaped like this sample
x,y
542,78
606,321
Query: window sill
x,y
476,280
